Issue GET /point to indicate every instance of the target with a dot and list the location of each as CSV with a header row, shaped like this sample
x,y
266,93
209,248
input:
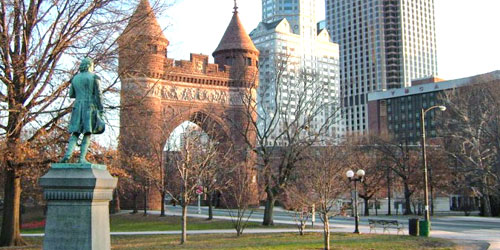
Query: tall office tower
x,y
290,44
384,44
299,13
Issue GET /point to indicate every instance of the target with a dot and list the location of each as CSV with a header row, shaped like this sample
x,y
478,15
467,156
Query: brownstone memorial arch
x,y
159,93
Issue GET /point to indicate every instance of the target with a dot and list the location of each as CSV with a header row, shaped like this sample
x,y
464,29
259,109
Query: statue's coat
x,y
88,104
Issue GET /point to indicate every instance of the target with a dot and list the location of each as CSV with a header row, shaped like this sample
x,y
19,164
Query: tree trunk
x,y
134,210
184,223
485,200
11,233
486,205
326,231
495,205
163,194
269,209
367,209
407,198
302,228
210,206
145,202
115,203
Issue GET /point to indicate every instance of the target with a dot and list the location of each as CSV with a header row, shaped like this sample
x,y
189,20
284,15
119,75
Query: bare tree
x,y
471,132
157,157
237,196
297,114
142,174
323,175
440,173
216,180
193,160
41,40
300,199
404,161
368,159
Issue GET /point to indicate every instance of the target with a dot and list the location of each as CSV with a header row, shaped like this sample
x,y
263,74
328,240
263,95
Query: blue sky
x,y
468,35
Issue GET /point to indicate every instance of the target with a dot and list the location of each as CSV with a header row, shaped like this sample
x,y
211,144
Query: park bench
x,y
386,225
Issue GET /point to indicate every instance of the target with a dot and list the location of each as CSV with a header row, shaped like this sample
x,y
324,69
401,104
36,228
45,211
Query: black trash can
x,y
413,227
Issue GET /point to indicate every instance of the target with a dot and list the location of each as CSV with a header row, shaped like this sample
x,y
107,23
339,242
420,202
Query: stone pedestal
x,y
78,198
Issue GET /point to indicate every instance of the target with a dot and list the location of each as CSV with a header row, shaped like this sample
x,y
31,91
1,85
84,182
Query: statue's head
x,y
87,65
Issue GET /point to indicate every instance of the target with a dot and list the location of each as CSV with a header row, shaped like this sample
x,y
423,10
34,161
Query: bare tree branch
x,y
471,132
35,37
292,115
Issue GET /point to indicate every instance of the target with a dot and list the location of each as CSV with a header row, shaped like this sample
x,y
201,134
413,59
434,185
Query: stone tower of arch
x,y
159,93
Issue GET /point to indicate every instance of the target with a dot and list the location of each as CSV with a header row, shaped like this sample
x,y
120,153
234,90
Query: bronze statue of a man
x,y
86,117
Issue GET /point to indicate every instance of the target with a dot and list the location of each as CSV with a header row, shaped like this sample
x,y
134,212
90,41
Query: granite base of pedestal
x,y
77,198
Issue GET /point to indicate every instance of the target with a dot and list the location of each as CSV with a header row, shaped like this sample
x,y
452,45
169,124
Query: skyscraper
x,y
384,44
301,14
291,45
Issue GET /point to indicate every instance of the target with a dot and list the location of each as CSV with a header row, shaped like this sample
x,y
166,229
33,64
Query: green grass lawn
x,y
289,241
286,241
139,223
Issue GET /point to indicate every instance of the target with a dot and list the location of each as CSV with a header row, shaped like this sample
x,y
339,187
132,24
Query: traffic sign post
x,y
199,191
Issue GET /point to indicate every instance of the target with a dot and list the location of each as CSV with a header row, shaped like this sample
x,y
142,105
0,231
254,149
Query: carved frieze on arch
x,y
182,92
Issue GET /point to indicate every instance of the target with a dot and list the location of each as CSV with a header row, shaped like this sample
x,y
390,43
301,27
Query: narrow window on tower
x,y
153,48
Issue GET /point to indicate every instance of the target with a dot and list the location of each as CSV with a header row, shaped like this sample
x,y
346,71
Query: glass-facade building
x,y
384,44
288,31
403,116
397,112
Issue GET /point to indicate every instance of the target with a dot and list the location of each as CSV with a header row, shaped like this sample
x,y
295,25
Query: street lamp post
x,y
359,177
424,160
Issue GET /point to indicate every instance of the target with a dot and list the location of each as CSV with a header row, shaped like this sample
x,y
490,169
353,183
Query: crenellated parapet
x,y
199,71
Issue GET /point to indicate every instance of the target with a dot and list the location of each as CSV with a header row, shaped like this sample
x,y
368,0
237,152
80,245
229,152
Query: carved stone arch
x,y
215,126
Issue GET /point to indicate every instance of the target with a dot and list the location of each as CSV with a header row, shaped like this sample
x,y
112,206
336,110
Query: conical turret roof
x,y
235,37
144,23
